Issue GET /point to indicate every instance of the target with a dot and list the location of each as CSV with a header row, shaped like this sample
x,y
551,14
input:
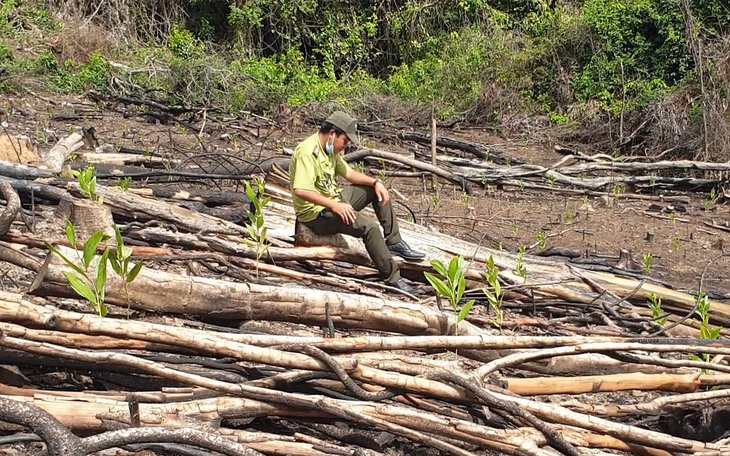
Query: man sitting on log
x,y
326,208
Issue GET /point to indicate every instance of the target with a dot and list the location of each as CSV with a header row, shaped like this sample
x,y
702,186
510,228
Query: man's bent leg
x,y
359,196
367,229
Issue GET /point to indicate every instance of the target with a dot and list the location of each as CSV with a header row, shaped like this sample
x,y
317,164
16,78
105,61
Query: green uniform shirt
x,y
313,169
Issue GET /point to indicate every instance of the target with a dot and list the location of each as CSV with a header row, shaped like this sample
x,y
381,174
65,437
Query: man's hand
x,y
345,211
381,192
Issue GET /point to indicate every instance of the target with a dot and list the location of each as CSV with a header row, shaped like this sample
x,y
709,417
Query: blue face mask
x,y
330,148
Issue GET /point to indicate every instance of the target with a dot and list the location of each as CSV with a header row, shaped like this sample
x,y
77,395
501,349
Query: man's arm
x,y
315,198
358,178
344,210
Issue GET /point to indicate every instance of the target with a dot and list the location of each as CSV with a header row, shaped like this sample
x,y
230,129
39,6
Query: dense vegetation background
x,y
626,76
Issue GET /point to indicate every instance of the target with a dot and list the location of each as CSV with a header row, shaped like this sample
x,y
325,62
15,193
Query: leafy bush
x,y
639,48
183,44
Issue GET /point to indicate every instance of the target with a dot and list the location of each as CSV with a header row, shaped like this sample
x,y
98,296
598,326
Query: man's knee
x,y
366,226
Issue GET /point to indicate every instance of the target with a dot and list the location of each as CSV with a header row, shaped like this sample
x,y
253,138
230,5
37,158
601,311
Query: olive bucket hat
x,y
345,123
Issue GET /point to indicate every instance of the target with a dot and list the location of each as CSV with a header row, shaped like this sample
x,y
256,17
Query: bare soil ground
x,y
682,246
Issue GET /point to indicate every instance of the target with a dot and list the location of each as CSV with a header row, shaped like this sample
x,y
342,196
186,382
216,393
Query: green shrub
x,y
183,44
7,11
639,47
95,74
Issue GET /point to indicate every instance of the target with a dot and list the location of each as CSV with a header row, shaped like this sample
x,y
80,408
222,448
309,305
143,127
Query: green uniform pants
x,y
366,228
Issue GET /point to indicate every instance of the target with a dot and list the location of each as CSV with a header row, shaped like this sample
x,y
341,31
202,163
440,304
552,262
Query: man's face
x,y
340,143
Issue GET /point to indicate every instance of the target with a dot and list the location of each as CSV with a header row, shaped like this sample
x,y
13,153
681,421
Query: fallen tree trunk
x,y
55,158
154,290
136,207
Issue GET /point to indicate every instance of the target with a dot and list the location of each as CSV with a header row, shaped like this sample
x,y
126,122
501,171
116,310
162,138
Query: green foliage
x,y
18,15
452,75
120,260
90,288
495,297
646,265
87,182
83,281
124,183
706,331
676,244
183,44
542,240
710,200
435,202
472,59
639,48
451,283
95,74
520,268
256,228
655,304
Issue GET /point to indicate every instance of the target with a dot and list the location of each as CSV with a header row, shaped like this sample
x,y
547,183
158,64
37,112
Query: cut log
x,y
138,208
622,382
154,290
87,217
126,159
55,158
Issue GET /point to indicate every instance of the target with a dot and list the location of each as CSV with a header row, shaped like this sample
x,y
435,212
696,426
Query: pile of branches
x,y
213,349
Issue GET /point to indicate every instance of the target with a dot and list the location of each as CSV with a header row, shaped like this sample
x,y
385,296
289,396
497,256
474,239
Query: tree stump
x,y
87,217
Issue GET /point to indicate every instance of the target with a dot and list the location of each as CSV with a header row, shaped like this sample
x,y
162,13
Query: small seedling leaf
x,y
119,238
439,267
460,287
70,263
464,312
134,272
454,267
438,285
116,267
71,234
80,287
101,271
90,247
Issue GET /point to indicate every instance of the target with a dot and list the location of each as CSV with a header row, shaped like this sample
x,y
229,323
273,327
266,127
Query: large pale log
x,y
55,158
98,413
145,209
547,279
80,340
214,344
625,432
92,413
600,383
155,290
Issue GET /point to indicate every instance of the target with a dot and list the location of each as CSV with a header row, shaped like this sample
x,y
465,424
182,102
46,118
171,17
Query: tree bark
x,y
55,158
